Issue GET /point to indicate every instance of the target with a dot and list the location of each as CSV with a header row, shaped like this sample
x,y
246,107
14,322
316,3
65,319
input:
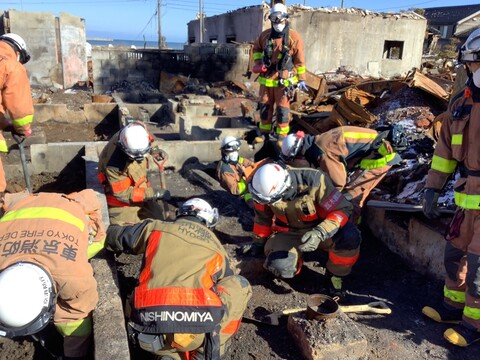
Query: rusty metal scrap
x,y
418,80
351,108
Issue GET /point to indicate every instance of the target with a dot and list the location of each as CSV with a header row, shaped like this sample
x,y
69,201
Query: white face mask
x,y
279,27
476,78
232,156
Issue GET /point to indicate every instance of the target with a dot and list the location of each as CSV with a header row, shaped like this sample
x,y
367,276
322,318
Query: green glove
x,y
429,203
311,239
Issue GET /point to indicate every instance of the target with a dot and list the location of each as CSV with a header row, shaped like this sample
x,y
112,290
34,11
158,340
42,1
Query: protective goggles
x,y
278,17
232,146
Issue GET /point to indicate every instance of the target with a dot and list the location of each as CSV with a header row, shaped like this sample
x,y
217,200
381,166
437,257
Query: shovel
x,y
23,158
273,319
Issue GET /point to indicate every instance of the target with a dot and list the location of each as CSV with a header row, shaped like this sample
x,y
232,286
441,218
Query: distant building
x,y
453,21
368,43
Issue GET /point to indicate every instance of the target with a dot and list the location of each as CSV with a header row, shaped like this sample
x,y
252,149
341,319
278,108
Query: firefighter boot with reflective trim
x,y
443,314
461,336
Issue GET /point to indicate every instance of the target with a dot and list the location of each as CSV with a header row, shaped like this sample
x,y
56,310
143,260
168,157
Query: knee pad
x,y
348,238
282,115
264,108
282,264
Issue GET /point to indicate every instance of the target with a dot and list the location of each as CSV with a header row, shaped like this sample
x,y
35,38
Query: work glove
x,y
429,203
158,154
254,249
302,86
161,194
311,239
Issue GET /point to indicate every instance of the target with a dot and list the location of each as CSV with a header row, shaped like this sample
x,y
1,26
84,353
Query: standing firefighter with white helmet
x,y
45,277
279,59
16,104
299,211
457,149
124,168
188,302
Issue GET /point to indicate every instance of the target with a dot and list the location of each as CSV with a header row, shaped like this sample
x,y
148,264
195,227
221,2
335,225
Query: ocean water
x,y
139,44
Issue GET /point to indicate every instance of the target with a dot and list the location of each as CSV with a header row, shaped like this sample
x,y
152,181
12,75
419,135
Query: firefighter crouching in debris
x,y
458,147
16,104
188,302
231,170
297,211
45,276
355,158
279,60
124,167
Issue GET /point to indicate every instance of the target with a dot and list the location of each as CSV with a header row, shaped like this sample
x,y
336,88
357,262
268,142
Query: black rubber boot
x,y
443,314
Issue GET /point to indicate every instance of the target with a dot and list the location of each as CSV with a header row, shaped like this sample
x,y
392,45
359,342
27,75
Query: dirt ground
x,y
379,275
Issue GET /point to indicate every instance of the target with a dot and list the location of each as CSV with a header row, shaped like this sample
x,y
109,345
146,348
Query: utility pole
x,y
342,4
201,21
159,13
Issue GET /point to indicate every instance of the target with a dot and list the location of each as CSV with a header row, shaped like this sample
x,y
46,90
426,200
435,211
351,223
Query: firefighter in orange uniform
x,y
16,104
457,148
46,240
279,60
298,211
355,158
188,302
123,169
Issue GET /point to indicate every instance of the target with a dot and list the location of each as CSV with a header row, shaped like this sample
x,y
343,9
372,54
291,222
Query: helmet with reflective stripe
x,y
470,51
269,183
278,13
18,44
291,145
134,140
200,209
230,143
27,300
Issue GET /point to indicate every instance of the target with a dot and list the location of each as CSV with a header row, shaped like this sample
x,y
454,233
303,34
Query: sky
x,y
138,19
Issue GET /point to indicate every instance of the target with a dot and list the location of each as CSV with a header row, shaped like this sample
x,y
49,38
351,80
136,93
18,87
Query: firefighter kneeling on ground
x,y
188,302
457,147
124,167
355,158
231,170
298,211
45,276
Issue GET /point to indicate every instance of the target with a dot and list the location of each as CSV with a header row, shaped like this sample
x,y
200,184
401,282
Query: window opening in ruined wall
x,y
213,40
231,38
393,50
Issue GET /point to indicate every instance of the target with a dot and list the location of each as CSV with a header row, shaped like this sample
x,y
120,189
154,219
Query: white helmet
x,y
19,45
470,51
278,13
200,209
269,183
292,145
27,300
230,143
135,141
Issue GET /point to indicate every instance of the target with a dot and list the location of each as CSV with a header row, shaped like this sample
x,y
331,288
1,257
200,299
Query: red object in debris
x,y
257,69
468,93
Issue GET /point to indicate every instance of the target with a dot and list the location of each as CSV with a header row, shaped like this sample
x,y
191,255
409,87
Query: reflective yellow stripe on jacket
x,y
275,83
443,165
368,164
22,121
3,146
257,55
472,313
82,327
359,135
465,201
454,295
44,213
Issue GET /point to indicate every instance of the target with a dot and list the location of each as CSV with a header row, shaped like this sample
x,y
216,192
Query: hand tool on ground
x,y
387,205
163,184
273,319
26,173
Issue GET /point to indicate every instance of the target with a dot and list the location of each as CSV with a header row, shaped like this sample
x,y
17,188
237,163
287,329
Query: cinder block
x,y
334,339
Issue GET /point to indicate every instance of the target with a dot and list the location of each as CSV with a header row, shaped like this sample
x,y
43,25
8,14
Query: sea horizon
x,y
138,44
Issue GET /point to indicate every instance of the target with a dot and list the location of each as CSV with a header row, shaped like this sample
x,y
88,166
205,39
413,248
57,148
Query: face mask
x,y
232,157
279,27
476,78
